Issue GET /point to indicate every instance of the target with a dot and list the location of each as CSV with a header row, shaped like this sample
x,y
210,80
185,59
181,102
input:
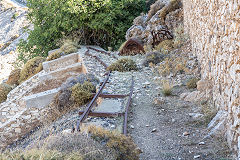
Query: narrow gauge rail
x,y
88,112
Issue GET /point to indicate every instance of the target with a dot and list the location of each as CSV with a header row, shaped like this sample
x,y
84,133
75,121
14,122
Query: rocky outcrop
x,y
158,24
214,29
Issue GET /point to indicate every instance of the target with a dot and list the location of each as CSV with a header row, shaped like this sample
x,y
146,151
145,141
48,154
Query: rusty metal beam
x,y
90,105
112,95
127,108
102,114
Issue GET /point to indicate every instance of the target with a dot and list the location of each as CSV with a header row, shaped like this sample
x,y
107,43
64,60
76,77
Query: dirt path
x,y
159,129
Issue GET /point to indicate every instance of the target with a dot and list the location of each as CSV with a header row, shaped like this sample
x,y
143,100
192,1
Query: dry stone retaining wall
x,y
214,29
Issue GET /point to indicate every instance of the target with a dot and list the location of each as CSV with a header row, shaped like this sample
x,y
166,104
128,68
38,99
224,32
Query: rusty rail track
x,y
127,108
104,52
88,112
90,105
97,58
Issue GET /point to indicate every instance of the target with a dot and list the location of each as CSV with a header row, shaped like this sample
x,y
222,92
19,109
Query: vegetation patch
x,y
69,46
99,22
123,145
4,90
14,77
82,93
192,83
173,65
153,58
55,55
123,65
32,67
167,88
84,85
166,45
39,154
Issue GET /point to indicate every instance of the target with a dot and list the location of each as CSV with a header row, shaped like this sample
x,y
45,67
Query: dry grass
x,y
4,90
123,65
167,88
78,143
36,154
153,58
54,55
124,146
192,83
14,77
32,67
68,99
69,46
165,45
82,93
173,65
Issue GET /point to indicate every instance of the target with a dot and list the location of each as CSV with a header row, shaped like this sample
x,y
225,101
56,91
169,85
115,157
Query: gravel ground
x,y
163,131
166,131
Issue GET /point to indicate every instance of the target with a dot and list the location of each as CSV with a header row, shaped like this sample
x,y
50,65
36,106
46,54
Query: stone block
x,y
40,100
68,71
61,62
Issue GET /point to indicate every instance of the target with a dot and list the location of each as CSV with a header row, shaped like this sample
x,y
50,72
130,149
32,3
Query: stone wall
x,y
214,29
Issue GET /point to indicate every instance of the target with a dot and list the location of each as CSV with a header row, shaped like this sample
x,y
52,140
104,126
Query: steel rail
x,y
90,105
112,95
127,108
97,58
104,52
102,114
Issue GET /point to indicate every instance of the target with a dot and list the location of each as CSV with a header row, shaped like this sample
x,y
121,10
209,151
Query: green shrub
x,y
32,67
123,65
192,83
4,90
82,93
99,22
14,77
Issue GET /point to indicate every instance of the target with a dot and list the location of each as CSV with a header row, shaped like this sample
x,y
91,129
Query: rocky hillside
x,y
13,23
171,112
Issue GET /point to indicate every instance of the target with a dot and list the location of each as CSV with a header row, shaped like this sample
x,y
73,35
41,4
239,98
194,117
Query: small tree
x,y
99,22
